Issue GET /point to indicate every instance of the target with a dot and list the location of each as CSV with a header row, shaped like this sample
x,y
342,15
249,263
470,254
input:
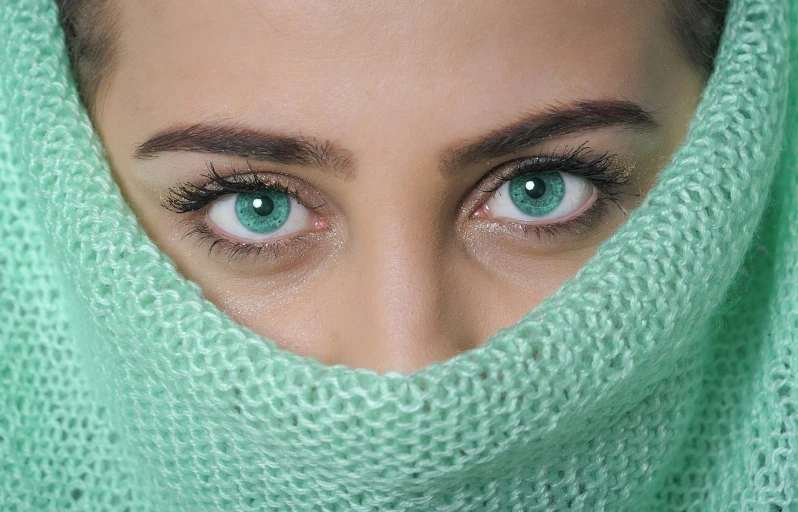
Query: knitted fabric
x,y
663,377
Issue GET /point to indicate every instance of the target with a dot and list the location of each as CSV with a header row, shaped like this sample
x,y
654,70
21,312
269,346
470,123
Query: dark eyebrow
x,y
556,121
243,142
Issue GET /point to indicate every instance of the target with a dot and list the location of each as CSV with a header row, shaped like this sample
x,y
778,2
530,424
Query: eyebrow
x,y
531,129
249,143
556,121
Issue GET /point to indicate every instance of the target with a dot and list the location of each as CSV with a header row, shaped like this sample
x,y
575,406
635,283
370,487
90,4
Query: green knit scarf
x,y
664,376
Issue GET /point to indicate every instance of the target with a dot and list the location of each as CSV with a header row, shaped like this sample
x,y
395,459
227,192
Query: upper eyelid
x,y
184,198
195,196
251,179
579,160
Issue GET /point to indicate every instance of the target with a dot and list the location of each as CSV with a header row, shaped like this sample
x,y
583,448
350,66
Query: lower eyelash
x,y
575,227
600,170
191,197
238,251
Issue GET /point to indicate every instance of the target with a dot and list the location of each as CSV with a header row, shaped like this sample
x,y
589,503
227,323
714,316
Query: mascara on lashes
x,y
601,170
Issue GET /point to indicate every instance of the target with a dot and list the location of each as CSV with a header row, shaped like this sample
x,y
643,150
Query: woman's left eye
x,y
541,198
260,216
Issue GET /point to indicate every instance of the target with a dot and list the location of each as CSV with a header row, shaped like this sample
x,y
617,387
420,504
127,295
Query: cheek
x,y
297,316
510,285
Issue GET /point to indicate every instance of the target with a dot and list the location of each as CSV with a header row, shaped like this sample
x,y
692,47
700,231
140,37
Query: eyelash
x,y
192,197
600,170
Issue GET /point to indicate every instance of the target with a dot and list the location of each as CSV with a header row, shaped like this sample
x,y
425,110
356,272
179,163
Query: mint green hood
x,y
664,376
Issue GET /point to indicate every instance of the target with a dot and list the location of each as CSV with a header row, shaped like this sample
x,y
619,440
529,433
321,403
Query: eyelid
x,y
600,169
604,171
194,200
240,251
189,197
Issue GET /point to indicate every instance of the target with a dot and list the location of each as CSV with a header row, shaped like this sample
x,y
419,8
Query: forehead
x,y
343,66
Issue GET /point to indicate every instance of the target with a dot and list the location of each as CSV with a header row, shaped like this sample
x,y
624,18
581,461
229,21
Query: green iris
x,y
263,211
537,194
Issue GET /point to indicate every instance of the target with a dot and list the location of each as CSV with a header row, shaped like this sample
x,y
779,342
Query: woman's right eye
x,y
260,216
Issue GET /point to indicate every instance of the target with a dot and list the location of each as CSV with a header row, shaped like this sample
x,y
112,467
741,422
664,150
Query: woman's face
x,y
386,184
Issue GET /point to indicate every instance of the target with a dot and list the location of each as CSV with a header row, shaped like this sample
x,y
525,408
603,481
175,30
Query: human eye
x,y
553,193
248,213
541,197
258,216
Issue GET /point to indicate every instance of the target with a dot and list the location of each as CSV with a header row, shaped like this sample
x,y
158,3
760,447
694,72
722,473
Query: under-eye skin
x,y
272,215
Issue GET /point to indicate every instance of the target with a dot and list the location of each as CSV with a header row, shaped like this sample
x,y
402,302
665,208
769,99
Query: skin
x,y
402,268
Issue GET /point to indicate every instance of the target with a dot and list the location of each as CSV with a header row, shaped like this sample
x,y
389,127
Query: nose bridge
x,y
406,321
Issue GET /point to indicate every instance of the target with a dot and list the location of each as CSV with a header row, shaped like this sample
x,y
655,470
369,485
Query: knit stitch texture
x,y
663,377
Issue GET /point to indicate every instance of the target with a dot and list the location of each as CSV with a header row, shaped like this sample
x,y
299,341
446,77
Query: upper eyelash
x,y
600,169
191,197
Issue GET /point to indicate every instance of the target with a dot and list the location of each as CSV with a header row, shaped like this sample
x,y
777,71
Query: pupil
x,y
535,188
263,205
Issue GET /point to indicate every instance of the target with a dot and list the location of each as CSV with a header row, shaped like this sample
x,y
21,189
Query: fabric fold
x,y
664,376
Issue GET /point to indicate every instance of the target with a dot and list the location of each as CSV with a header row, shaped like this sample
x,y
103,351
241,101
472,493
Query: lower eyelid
x,y
304,229
577,229
277,251
242,247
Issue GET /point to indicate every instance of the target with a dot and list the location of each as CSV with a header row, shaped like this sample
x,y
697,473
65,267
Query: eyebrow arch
x,y
244,142
554,122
